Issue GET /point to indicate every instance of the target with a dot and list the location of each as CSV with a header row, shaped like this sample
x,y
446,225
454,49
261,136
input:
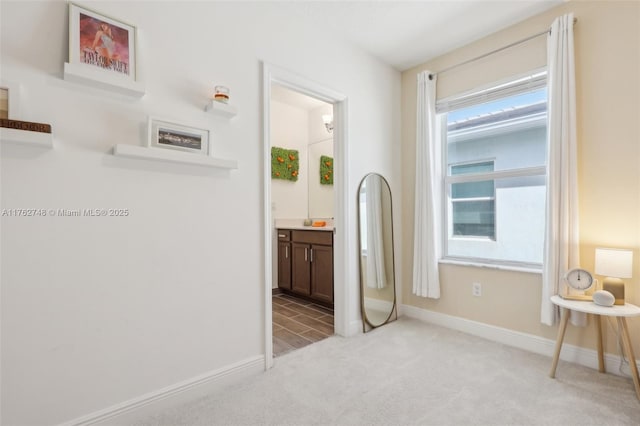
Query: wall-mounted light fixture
x,y
328,122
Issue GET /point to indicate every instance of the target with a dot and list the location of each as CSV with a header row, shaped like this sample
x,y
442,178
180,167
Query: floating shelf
x,y
221,109
102,79
26,137
172,156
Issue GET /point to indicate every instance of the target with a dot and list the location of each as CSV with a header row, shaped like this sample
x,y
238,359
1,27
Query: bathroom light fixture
x,y
328,122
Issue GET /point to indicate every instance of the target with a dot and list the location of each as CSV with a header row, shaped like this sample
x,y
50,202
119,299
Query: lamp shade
x,y
615,263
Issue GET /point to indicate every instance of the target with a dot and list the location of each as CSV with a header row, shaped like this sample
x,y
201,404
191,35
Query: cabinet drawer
x,y
284,235
312,237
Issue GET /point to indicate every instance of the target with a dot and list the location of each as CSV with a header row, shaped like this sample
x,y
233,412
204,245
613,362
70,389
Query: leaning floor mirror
x,y
377,271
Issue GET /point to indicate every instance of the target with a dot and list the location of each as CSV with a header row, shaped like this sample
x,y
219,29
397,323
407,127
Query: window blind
x,y
526,83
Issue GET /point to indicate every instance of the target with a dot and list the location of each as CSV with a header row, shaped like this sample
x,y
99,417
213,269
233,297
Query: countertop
x,y
298,224
308,228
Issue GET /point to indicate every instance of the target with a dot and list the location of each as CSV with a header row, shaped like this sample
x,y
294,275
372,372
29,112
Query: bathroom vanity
x,y
305,263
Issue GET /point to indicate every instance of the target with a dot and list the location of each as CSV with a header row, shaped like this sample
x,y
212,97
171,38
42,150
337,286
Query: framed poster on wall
x,y
103,52
100,41
170,135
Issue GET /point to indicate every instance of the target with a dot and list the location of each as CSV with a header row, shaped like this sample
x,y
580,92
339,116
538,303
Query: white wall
x,y
290,130
96,311
321,197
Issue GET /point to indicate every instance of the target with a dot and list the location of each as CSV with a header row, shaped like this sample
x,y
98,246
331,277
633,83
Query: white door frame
x,y
273,74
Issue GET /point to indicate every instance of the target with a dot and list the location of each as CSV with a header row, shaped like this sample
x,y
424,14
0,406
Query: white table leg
x,y
561,329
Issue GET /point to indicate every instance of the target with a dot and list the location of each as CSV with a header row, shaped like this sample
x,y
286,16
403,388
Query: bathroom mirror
x,y
377,271
320,195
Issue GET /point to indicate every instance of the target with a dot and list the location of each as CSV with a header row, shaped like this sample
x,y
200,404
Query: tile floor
x,y
298,322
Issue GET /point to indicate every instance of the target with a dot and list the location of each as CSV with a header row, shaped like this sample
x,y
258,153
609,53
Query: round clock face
x,y
579,279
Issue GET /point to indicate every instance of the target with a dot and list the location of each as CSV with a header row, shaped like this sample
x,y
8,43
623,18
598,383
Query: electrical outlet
x,y
476,289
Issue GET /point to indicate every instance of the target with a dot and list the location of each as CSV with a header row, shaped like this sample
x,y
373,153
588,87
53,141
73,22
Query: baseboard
x,y
127,411
528,342
355,327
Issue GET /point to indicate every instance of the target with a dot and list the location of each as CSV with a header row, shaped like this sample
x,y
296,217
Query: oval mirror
x,y
377,273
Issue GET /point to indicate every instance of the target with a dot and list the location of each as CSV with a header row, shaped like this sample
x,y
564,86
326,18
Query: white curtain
x,y
376,271
426,245
561,247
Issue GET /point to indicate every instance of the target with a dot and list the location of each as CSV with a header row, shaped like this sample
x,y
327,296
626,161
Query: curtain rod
x,y
500,49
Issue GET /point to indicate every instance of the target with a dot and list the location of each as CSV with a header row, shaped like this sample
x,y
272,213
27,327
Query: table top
x,y
626,310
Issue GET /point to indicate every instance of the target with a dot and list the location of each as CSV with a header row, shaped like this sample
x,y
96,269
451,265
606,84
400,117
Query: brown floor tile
x,y
298,323
327,319
314,335
281,347
289,324
295,340
315,324
295,299
322,309
278,300
304,310
286,311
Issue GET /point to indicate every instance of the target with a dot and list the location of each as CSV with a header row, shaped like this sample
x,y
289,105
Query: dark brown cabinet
x,y
310,264
284,259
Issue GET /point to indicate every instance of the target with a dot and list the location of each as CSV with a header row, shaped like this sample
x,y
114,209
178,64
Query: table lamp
x,y
614,264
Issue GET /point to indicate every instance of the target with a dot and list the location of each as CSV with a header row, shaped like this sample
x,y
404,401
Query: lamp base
x,y
614,286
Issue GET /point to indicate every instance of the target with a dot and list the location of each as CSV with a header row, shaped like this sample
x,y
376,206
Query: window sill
x,y
512,268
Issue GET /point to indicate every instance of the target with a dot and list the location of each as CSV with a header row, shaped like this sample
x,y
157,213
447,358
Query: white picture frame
x,y
89,61
166,134
102,42
11,90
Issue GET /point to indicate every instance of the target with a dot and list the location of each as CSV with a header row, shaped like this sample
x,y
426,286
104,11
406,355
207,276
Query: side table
x,y
620,312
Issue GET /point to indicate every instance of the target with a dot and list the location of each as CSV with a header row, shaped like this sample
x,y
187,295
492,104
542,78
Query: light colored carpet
x,y
412,373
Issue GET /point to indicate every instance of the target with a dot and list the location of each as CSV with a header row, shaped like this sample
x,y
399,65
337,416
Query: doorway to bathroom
x,y
304,129
302,210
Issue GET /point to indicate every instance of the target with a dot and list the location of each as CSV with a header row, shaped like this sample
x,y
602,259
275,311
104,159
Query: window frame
x,y
537,79
451,200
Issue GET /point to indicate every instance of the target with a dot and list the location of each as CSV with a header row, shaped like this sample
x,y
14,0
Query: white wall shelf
x,y
172,156
102,79
221,109
26,137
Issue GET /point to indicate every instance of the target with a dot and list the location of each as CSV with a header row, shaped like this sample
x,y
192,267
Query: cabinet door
x,y
322,272
300,268
284,265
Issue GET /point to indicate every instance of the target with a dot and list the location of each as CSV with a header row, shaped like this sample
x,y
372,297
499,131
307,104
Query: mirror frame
x,y
365,319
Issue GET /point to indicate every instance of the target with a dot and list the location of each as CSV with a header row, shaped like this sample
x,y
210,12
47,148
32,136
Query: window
x,y
494,164
473,203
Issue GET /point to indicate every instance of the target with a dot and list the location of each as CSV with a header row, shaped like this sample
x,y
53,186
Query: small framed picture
x,y
166,134
9,100
102,42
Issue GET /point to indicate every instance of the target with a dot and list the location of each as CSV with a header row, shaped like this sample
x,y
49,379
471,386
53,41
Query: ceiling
x,y
407,33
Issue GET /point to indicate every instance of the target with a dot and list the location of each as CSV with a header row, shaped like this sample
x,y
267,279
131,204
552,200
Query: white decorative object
x,y
166,155
221,94
24,137
603,298
221,109
171,135
80,73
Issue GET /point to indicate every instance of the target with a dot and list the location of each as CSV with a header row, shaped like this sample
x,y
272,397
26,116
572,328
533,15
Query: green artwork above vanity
x,y
326,170
284,164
